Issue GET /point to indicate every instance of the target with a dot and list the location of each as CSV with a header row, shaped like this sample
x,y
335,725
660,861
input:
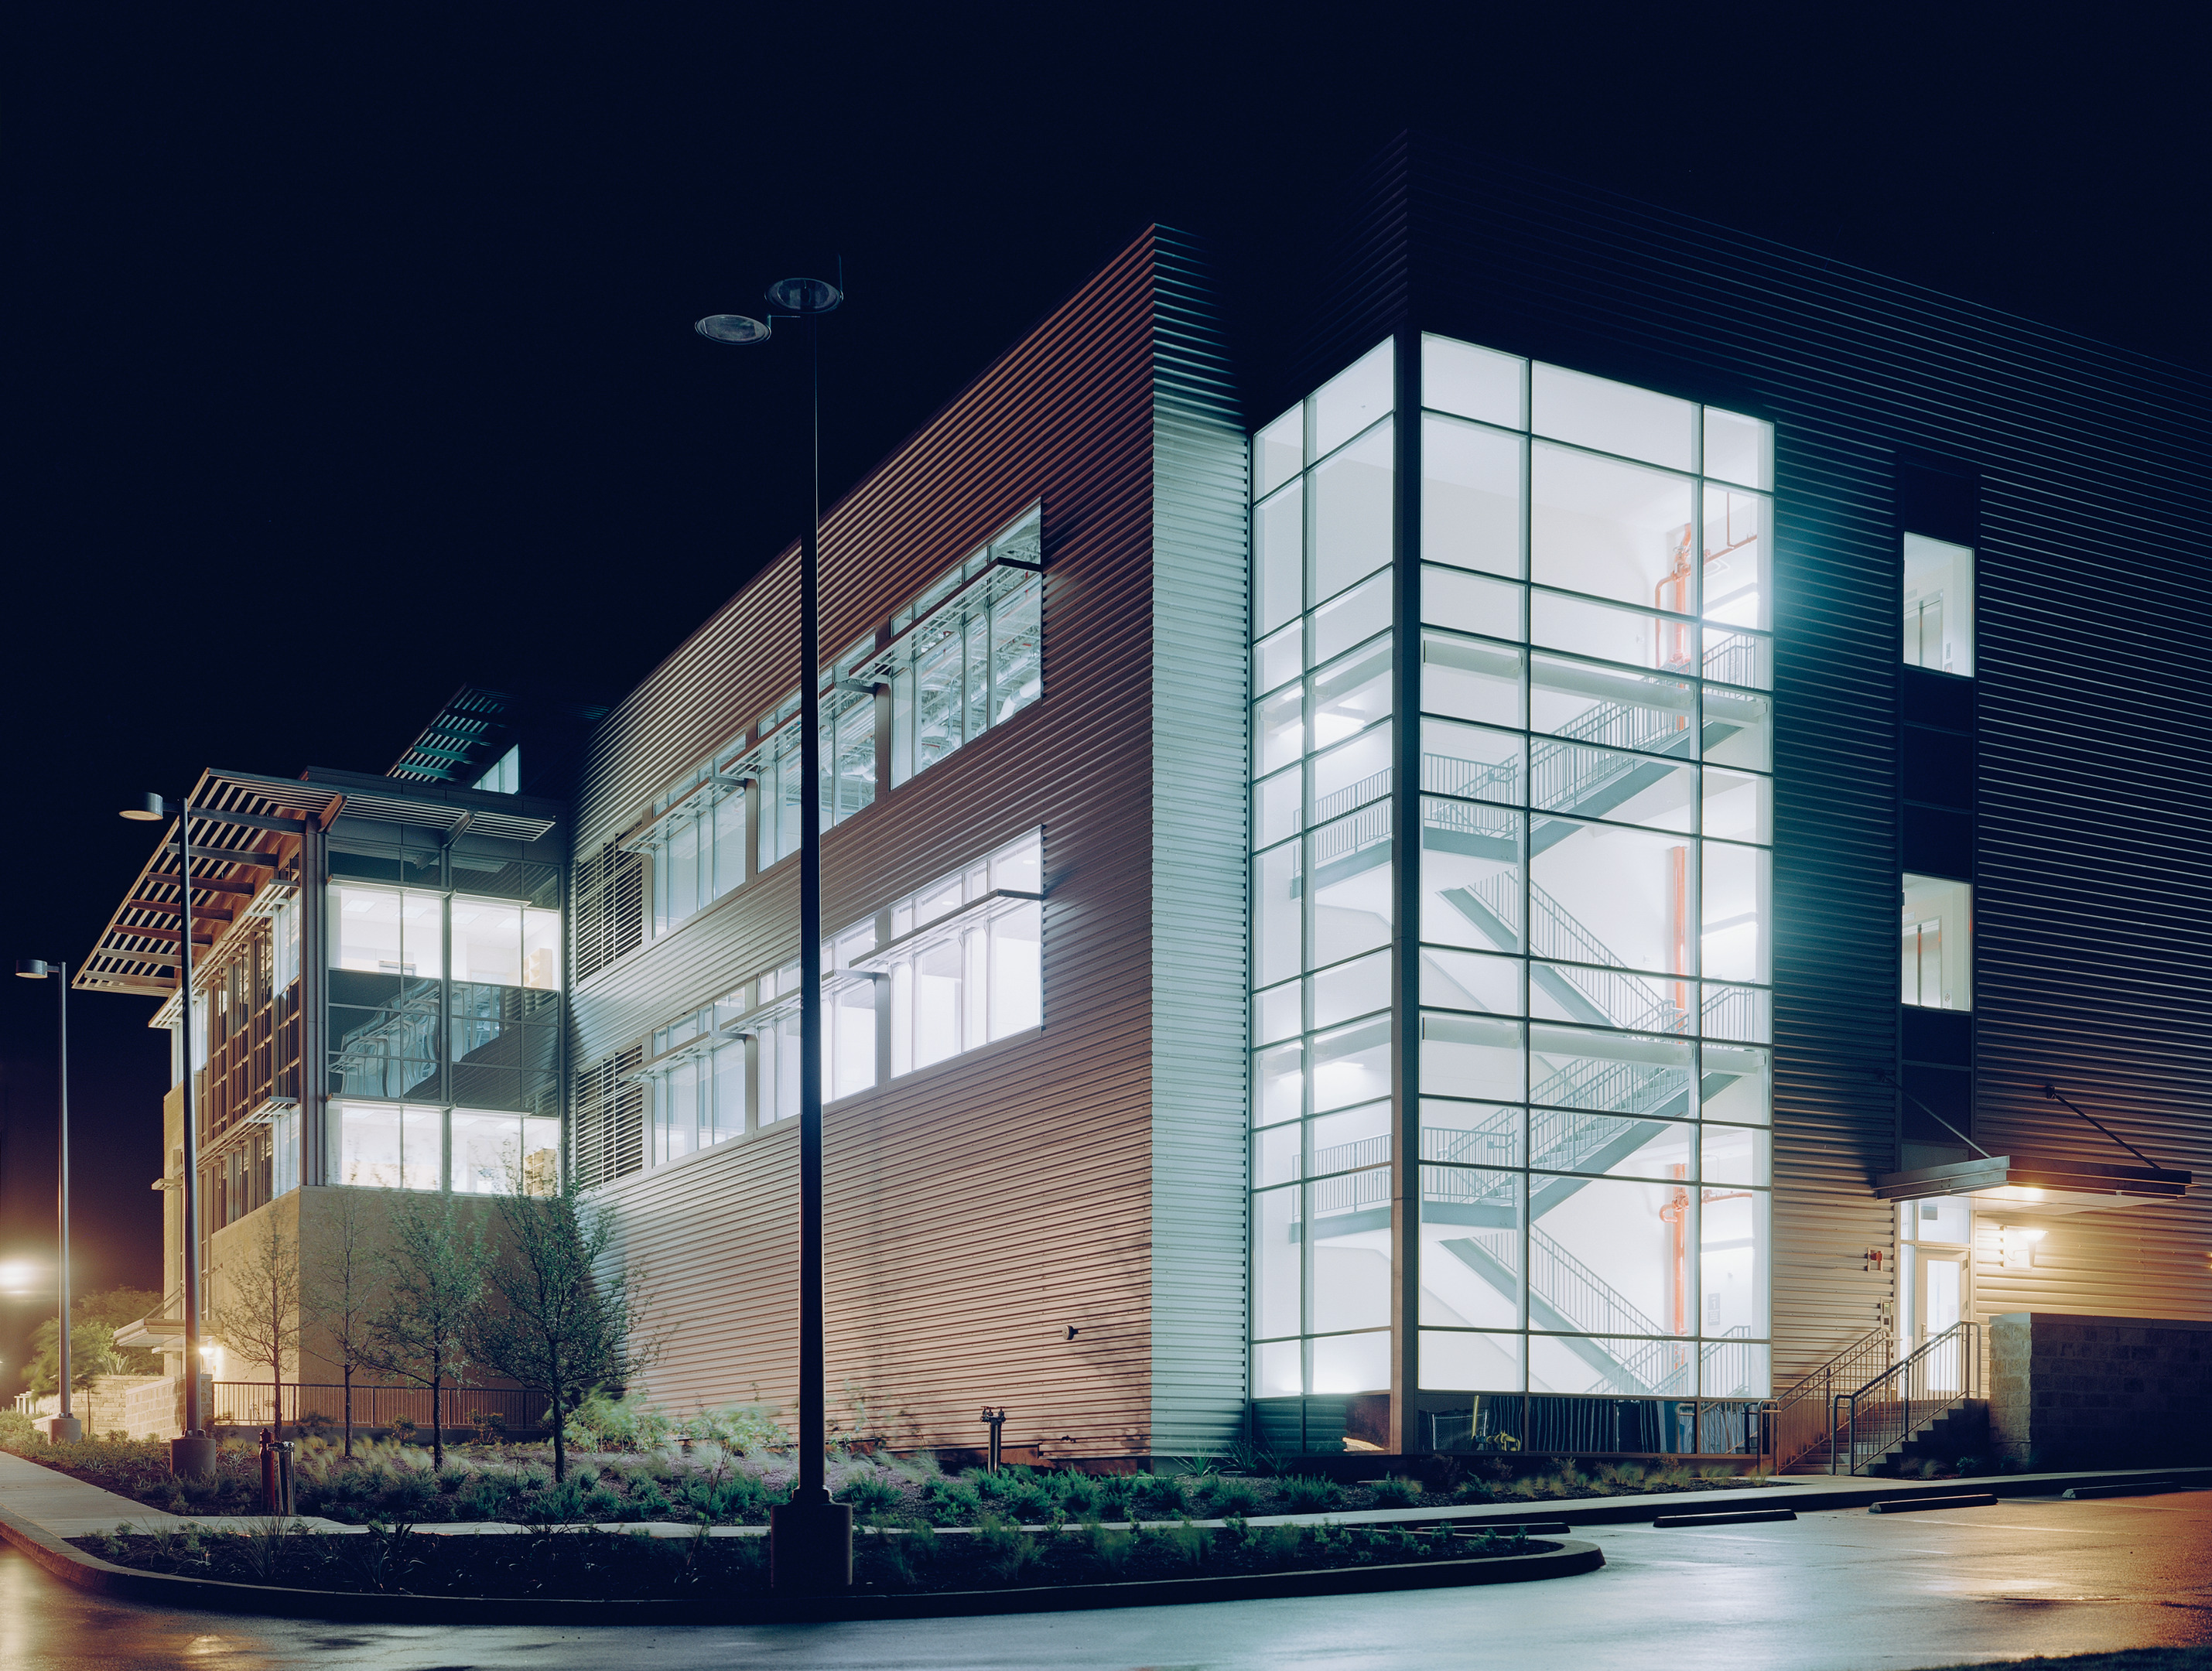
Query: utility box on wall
x,y
2099,1392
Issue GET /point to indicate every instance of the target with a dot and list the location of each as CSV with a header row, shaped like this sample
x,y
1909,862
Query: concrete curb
x,y
89,1572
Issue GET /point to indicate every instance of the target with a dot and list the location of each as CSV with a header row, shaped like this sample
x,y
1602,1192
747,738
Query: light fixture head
x,y
33,968
737,330
147,809
805,295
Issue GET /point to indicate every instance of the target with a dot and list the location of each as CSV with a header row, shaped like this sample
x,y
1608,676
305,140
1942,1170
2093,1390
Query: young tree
x,y
259,1315
561,1324
419,1330
349,1273
92,1354
114,1307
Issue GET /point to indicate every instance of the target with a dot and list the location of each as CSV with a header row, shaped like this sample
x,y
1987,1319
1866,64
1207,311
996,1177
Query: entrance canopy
x,y
2043,1184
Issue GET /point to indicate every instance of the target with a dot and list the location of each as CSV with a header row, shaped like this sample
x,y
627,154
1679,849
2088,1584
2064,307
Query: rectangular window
x,y
963,964
1937,970
1939,605
390,1145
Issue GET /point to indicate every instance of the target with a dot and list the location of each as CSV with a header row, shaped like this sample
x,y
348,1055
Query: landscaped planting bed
x,y
587,1564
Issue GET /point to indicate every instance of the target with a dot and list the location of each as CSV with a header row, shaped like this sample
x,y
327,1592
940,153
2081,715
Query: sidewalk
x,y
69,1508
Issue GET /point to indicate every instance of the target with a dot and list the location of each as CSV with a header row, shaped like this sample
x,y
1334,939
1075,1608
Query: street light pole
x,y
193,1454
810,1537
64,1428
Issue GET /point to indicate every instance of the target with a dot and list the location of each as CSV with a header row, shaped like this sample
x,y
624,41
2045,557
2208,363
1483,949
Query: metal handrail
x,y
1873,1420
1803,1414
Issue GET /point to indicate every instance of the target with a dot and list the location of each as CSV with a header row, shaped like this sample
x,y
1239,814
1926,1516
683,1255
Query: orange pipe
x,y
1676,1213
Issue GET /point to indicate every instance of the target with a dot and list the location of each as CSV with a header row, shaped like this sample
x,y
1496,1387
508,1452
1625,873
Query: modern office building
x,y
1499,858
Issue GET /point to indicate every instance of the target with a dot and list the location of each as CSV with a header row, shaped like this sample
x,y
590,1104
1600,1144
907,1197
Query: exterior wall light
x,y
2017,1244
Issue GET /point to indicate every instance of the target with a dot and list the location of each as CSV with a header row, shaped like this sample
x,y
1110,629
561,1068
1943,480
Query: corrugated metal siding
x,y
1200,918
976,1210
2093,909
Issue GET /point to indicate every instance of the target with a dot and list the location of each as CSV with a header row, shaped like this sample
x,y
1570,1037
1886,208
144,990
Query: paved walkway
x,y
69,1508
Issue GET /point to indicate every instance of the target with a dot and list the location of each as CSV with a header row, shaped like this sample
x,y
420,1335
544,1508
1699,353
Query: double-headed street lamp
x,y
193,1454
63,1428
810,1537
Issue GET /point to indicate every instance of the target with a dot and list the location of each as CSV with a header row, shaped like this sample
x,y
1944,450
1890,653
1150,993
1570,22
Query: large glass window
x,y
1592,1046
1936,968
1939,605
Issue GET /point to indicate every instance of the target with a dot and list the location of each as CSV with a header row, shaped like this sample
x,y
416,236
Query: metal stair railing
x,y
1594,1306
1873,1420
1802,1412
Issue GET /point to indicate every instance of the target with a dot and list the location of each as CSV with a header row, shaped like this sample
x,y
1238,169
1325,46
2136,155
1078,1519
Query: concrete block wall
x,y
2100,1392
143,1407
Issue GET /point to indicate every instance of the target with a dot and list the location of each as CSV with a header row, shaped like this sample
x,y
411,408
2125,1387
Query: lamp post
x,y
810,1537
193,1454
63,1428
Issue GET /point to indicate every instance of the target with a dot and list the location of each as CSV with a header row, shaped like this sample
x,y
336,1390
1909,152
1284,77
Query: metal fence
x,y
248,1404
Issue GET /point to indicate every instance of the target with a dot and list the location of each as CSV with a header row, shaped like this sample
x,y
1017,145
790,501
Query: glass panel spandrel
x,y
1736,900
1611,707
1734,1260
1738,449
1472,881
1939,605
1472,1224
1616,897
1278,452
1738,1084
1352,1064
1353,517
1357,988
1278,660
1470,981
1738,591
1469,680
1351,694
1471,1133
1606,1145
1476,1057
1613,1256
1279,1084
1278,559
1354,398
1609,632
1471,497
1472,762
1739,806
1352,618
1345,1363
1472,603
1937,962
1604,1073
1474,382
1614,785
1739,729
1611,529
1613,418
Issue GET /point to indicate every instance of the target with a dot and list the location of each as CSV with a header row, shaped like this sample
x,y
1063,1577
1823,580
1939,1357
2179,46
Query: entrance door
x,y
1938,1302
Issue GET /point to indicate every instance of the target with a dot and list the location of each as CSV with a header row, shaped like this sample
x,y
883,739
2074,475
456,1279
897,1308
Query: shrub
x,y
951,1503
1155,1496
405,1430
1973,1465
16,1428
1392,1493
1224,1497
1475,1490
491,1425
1304,1494
315,1425
872,1496
1080,1498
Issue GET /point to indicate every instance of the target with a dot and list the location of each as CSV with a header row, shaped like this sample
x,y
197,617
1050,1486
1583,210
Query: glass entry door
x,y
1939,1301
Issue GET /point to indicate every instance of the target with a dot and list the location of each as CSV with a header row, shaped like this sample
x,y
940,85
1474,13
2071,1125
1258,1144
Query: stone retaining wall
x,y
2100,1392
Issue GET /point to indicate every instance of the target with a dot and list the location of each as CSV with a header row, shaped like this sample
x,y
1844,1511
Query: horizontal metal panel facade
x,y
2095,906
1200,913
979,1210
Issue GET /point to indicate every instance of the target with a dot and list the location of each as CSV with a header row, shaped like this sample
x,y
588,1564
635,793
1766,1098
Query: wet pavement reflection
x,y
1838,1591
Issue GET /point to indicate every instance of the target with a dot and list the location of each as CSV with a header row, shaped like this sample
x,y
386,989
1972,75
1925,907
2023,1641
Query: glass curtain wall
x,y
1591,1043
444,1027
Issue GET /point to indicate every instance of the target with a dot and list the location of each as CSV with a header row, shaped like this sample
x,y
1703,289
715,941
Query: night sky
x,y
351,354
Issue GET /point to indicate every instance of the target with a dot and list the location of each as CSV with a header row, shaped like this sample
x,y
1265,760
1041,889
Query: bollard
x,y
996,1419
268,1473
285,1496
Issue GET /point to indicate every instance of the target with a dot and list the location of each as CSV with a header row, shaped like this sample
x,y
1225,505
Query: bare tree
x,y
349,1274
563,1324
260,1313
419,1331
